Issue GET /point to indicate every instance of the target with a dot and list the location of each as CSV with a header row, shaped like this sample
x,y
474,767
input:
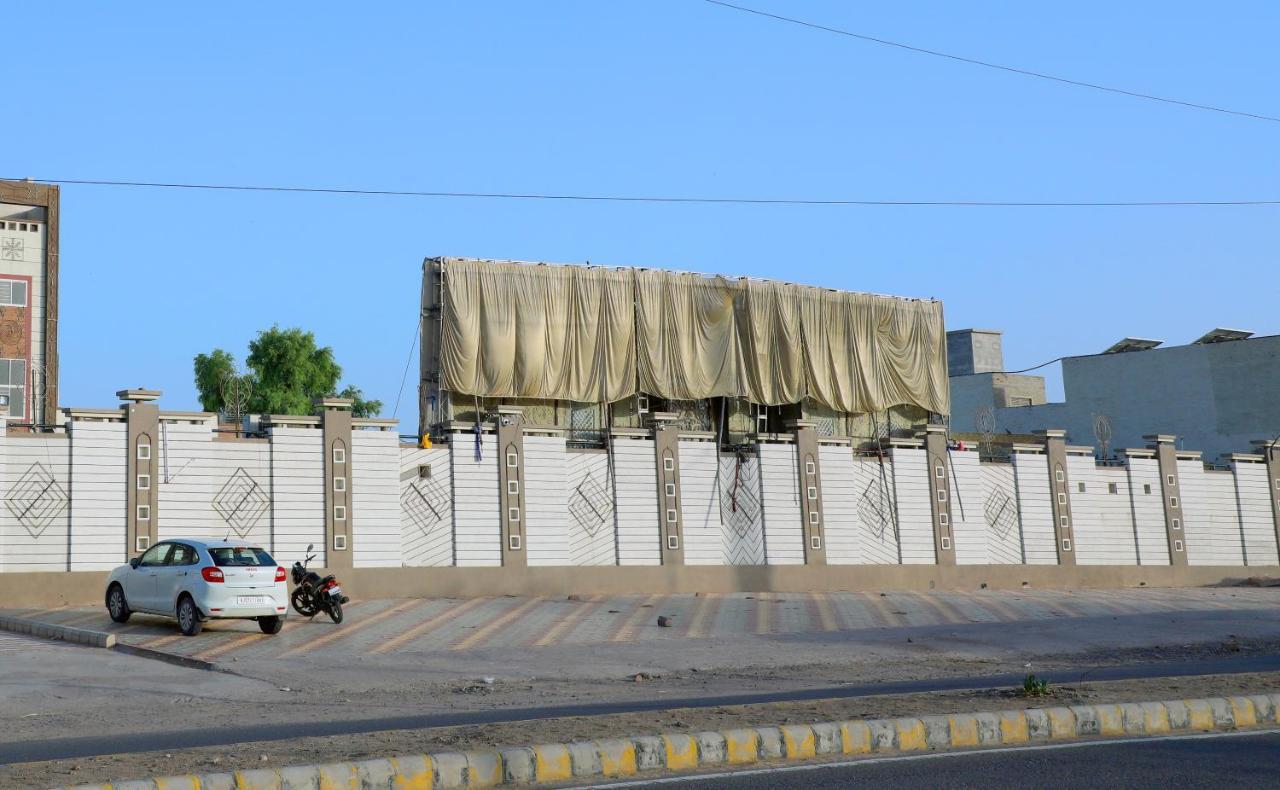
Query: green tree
x,y
287,373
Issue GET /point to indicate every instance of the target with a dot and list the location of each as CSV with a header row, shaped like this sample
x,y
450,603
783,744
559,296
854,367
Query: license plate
x,y
251,600
335,590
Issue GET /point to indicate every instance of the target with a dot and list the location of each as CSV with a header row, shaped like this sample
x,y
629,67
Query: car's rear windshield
x,y
240,556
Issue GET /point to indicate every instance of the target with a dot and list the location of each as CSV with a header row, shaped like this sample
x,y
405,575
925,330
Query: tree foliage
x,y
287,373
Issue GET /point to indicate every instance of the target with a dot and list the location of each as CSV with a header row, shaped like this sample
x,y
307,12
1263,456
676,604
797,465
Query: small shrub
x,y
1033,686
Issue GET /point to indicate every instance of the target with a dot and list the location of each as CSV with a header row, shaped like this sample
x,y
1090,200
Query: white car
x,y
198,580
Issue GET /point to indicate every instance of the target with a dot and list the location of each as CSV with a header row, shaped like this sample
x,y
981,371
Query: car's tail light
x,y
280,574
213,575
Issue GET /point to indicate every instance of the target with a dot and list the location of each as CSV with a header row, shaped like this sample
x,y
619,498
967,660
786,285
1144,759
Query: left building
x,y
29,301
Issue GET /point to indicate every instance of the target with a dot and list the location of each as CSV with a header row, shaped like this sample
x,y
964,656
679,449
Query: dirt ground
x,y
402,742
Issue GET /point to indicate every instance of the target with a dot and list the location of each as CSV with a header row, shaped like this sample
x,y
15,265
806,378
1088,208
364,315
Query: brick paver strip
x,y
476,637
428,625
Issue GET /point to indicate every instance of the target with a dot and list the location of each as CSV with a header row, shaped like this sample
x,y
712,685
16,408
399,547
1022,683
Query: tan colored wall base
x,y
48,590
45,590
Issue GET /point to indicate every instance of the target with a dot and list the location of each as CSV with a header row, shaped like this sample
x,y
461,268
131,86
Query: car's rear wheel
x,y
188,616
117,606
271,625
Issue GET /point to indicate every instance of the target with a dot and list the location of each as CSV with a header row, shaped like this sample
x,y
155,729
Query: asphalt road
x,y
211,735
1187,763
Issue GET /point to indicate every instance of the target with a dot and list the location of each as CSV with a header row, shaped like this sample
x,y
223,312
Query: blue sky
x,y
672,97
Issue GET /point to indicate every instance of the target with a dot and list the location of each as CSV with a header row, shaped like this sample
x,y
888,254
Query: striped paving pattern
x,y
391,627
16,643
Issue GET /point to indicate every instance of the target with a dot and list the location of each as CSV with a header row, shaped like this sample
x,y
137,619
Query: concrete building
x,y
1216,394
29,300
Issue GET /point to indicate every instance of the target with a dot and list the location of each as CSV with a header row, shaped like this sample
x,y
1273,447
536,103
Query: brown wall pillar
x,y
809,470
666,452
1271,453
142,482
335,424
511,481
935,447
1171,490
1055,450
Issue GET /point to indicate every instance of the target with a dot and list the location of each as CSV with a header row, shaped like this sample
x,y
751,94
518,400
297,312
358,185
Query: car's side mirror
x,y
133,563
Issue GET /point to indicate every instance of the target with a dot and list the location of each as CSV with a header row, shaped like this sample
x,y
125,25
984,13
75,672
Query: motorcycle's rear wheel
x,y
335,612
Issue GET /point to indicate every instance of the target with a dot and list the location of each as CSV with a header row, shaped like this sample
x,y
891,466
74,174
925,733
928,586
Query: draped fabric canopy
x,y
597,334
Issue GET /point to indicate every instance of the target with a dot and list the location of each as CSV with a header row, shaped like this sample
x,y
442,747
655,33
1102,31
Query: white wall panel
x,y
780,497
700,504
1000,516
840,505
36,515
546,500
426,506
1253,493
375,499
915,511
591,522
741,509
877,510
1147,506
98,472
636,502
1212,520
968,525
1039,540
1102,520
477,524
297,479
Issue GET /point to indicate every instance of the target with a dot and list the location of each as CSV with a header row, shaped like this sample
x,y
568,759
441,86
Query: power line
x,y
416,332
665,199
989,65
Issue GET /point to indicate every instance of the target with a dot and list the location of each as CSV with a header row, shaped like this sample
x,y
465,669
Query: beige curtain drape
x,y
561,332
596,335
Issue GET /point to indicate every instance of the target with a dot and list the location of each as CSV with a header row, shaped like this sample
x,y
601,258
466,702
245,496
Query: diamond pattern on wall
x,y
1001,513
590,505
875,510
36,500
427,504
241,502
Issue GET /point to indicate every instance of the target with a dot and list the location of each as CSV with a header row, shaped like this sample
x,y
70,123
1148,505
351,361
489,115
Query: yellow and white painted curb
x,y
625,757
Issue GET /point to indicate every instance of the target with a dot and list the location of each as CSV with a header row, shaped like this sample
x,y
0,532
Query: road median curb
x,y
618,758
79,636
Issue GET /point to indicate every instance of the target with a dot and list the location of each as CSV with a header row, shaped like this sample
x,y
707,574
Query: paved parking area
x,y
390,627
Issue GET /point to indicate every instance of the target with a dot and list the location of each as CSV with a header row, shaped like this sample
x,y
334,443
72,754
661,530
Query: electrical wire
x,y
997,66
663,199
404,376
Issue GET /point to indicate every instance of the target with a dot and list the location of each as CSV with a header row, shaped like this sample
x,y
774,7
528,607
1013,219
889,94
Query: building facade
x,y
1217,394
29,300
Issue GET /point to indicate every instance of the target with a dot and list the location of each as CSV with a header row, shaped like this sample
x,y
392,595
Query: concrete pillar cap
x,y
1161,438
139,395
1051,433
334,403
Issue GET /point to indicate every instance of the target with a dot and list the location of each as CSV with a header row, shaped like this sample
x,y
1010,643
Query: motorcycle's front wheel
x,y
335,612
302,603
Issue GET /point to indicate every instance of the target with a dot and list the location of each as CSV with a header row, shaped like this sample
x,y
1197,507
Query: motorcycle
x,y
312,594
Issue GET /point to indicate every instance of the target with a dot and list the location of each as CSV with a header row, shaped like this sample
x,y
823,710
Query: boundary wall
x,y
512,508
